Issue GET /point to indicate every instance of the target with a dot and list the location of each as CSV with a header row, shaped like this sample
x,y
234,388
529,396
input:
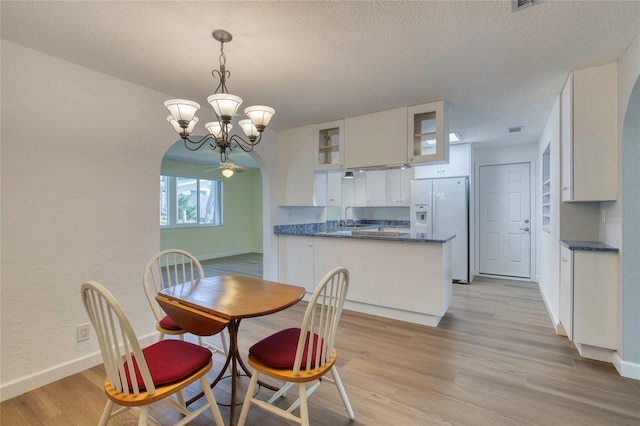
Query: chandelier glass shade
x,y
183,114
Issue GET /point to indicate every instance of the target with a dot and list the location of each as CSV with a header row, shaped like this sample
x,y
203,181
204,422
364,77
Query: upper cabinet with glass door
x,y
329,145
428,133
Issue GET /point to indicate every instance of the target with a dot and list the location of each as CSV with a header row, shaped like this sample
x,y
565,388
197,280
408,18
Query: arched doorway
x,y
229,241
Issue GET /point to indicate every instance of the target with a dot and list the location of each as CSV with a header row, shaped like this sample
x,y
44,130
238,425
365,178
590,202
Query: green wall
x,y
241,231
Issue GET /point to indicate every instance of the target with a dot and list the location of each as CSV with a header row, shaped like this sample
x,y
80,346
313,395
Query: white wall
x,y
548,253
625,228
506,154
81,155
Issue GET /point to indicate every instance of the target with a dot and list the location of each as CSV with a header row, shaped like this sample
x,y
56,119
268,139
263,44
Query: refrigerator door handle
x,y
434,214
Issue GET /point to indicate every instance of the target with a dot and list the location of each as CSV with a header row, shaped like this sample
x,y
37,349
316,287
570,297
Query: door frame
x,y
533,194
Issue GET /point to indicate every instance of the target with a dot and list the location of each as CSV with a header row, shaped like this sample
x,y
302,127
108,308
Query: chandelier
x,y
183,114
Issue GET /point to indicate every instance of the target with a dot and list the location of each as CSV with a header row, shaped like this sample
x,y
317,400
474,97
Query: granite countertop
x,y
588,246
335,230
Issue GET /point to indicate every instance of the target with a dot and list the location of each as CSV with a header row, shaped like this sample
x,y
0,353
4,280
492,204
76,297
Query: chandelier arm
x,y
238,140
199,143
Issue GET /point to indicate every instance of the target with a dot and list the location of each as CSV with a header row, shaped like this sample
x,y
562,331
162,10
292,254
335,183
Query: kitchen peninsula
x,y
394,273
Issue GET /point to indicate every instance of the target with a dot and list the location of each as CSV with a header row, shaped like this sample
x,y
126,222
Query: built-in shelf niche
x,y
546,189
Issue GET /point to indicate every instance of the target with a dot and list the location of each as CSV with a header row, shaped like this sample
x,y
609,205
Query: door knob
x,y
524,229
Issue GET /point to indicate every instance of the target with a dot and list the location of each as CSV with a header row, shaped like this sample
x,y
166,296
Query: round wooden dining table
x,y
208,305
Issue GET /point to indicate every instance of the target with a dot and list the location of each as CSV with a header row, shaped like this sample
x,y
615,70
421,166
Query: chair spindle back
x,y
321,319
168,268
118,342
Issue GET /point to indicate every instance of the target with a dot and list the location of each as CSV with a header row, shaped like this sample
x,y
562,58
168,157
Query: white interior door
x,y
505,220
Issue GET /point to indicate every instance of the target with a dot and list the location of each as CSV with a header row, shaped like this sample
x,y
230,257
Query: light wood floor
x,y
493,360
249,264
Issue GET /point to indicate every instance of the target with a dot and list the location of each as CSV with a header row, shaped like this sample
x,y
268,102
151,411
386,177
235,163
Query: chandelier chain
x,y
222,73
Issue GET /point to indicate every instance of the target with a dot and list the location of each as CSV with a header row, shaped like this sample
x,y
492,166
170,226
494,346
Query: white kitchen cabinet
x,y
381,188
589,298
376,139
459,164
376,191
295,167
566,291
427,133
327,189
589,135
334,189
359,189
398,187
320,197
295,261
329,146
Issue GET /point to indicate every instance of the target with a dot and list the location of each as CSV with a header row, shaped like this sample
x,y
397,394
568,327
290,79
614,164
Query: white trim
x,y
41,378
559,328
627,369
227,254
507,277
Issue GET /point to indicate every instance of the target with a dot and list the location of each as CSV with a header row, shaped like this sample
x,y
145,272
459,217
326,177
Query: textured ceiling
x,y
320,61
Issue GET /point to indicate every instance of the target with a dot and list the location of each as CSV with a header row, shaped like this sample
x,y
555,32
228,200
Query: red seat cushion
x,y
170,361
279,349
168,324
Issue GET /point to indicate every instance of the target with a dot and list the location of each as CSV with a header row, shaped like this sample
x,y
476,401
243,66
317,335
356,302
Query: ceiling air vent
x,y
516,129
523,4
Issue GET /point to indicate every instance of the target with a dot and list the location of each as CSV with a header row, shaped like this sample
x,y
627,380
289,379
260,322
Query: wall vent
x,y
516,129
523,4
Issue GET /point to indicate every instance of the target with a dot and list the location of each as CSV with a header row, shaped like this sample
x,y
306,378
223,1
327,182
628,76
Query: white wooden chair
x,y
165,269
138,377
288,356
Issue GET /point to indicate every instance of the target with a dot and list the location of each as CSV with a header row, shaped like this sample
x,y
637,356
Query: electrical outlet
x,y
82,332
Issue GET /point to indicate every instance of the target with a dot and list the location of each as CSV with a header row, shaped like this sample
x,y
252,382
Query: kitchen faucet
x,y
353,215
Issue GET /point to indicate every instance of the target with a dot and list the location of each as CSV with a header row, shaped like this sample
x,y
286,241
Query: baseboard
x,y
38,379
505,277
630,370
397,314
560,330
555,321
227,254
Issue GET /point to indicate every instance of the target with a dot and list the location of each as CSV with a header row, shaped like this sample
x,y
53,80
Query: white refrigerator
x,y
441,206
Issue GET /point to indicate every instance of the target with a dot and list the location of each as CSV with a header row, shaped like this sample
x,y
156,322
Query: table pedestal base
x,y
238,368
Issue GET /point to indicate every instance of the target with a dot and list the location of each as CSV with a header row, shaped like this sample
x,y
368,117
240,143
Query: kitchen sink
x,y
376,232
371,230
393,229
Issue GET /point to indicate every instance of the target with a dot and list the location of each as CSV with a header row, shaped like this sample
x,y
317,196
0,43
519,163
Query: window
x,y
189,201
